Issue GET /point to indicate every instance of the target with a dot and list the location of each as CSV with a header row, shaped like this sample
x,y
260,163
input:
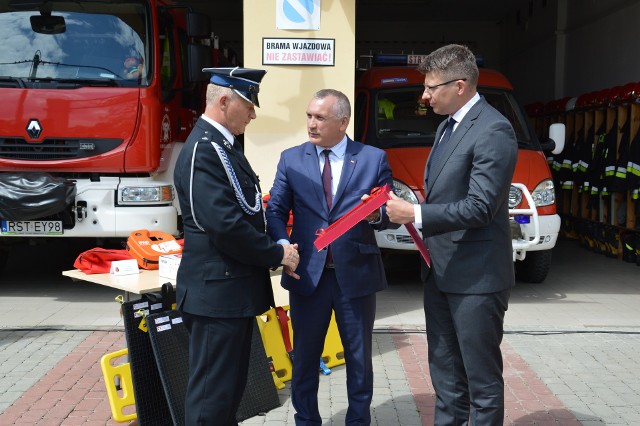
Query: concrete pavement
x,y
570,348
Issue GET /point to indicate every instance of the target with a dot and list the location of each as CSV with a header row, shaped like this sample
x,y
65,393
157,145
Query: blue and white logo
x,y
298,14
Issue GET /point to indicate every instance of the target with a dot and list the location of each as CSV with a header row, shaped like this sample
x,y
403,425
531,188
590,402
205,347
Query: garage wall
x,y
570,47
531,50
286,90
602,45
549,49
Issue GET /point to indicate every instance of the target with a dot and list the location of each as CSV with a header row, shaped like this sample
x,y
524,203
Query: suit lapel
x,y
463,127
311,167
437,138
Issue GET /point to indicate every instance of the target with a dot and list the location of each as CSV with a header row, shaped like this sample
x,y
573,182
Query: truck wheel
x,y
535,267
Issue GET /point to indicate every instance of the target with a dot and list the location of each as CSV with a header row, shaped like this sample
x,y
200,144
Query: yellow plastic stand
x,y
274,345
271,333
118,400
333,353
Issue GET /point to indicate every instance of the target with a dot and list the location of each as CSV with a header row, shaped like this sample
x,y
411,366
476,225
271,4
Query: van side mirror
x,y
555,141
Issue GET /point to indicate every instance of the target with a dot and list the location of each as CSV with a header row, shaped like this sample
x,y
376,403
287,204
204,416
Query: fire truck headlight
x,y
403,191
136,195
544,194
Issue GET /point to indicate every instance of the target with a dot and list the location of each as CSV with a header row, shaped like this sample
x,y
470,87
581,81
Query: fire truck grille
x,y
55,149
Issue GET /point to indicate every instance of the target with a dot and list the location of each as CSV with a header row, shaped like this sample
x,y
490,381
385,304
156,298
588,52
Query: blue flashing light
x,y
402,59
389,59
520,218
394,80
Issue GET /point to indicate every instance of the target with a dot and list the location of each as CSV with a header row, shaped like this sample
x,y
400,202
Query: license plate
x,y
32,227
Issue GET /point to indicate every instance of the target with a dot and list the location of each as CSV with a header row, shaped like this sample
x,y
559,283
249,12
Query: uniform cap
x,y
244,81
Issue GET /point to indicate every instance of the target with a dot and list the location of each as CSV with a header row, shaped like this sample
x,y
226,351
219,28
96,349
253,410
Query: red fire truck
x,y
95,97
389,114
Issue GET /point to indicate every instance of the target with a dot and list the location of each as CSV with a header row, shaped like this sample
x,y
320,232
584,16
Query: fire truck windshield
x,y
82,42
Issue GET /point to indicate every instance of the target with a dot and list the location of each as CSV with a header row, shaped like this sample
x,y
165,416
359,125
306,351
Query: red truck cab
x,y
96,100
389,114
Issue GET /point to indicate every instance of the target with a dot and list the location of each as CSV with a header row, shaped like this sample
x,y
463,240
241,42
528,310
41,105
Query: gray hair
x,y
451,61
214,92
342,108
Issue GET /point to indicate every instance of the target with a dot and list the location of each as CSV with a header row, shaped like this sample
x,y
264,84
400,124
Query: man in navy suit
x,y
320,181
223,281
465,222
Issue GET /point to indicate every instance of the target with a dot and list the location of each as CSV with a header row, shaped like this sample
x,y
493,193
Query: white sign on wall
x,y
298,51
298,14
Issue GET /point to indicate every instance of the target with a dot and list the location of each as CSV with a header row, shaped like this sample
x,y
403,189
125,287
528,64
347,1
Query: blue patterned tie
x,y
437,148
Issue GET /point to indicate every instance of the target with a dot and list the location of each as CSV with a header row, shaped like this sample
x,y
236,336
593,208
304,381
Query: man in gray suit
x,y
465,223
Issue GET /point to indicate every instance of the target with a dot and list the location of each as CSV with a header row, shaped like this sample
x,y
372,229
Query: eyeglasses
x,y
431,89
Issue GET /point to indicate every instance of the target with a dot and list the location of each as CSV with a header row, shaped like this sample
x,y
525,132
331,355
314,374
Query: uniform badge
x,y
227,145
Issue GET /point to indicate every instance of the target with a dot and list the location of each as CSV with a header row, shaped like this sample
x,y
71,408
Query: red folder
x,y
419,242
379,196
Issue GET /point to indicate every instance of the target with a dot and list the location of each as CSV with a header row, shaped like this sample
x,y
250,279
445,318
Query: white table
x,y
144,282
148,281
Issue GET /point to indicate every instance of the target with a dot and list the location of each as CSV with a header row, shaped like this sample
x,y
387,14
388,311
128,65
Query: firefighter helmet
x,y
612,96
630,92
581,102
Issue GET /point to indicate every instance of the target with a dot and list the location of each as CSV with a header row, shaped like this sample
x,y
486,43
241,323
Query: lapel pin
x,y
227,144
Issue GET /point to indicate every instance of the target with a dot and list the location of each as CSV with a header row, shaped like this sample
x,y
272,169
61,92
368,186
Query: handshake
x,y
290,259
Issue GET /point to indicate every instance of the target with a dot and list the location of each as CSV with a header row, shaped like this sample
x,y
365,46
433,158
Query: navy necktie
x,y
237,146
239,151
326,184
326,178
437,148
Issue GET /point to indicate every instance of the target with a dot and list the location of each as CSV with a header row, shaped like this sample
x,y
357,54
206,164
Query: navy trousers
x,y
219,353
310,319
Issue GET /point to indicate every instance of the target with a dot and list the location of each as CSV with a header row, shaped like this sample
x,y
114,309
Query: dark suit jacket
x,y
224,270
298,188
465,217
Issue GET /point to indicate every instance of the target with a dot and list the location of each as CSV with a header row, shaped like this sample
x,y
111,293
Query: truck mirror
x,y
555,141
200,56
557,135
198,25
48,24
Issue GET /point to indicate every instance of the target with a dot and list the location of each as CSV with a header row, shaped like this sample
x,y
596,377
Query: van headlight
x,y
515,197
136,195
544,194
403,191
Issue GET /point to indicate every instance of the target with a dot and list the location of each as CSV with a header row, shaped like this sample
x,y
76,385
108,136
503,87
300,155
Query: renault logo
x,y
34,129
